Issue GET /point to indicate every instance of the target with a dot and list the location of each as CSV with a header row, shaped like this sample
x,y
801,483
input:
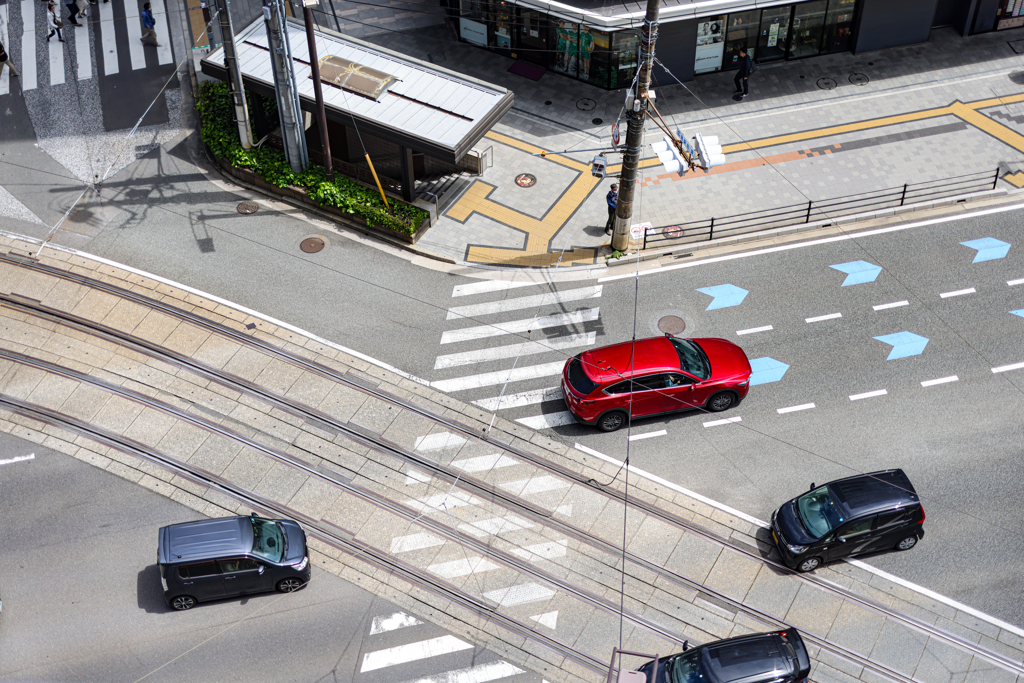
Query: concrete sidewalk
x,y
814,129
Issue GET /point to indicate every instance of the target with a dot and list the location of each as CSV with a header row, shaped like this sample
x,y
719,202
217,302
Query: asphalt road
x,y
82,599
960,442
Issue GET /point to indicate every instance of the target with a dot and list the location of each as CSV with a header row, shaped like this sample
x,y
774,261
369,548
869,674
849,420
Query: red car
x,y
654,376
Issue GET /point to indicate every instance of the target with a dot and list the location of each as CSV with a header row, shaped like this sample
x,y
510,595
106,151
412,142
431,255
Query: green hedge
x,y
220,133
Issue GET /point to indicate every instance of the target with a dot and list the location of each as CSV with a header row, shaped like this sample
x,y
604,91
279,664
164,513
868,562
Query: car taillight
x,y
921,521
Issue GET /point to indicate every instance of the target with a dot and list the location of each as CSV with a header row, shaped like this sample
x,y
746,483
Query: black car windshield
x,y
818,512
268,539
692,358
578,377
686,668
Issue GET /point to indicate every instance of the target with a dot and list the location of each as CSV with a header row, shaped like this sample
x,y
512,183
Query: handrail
x,y
795,214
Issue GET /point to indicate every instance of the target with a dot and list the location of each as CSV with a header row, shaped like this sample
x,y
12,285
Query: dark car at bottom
x,y
221,558
852,516
775,657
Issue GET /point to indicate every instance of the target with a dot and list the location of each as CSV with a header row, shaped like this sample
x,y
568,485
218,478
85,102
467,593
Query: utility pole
x,y
314,65
234,75
636,112
292,129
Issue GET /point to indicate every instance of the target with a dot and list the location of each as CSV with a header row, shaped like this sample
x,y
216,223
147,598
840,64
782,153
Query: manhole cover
x,y
827,84
248,206
672,324
586,104
859,79
1017,77
526,180
597,122
672,232
311,245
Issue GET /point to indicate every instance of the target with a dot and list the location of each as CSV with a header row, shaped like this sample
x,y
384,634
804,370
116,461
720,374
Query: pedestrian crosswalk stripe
x,y
535,485
392,622
29,70
481,673
495,526
83,54
487,286
455,499
133,22
108,40
547,420
519,326
405,544
163,53
485,462
535,301
412,652
523,398
56,56
549,619
487,379
530,348
519,595
5,74
436,442
545,551
464,567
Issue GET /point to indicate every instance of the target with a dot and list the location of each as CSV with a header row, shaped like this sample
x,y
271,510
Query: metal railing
x,y
796,214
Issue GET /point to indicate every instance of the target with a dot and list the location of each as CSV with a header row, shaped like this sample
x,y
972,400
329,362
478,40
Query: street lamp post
x,y
636,112
314,65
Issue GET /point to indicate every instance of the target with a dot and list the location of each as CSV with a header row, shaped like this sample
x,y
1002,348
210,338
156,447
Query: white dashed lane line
x,y
1014,283
793,409
868,394
941,380
752,330
959,292
894,304
719,423
819,318
1007,368
648,435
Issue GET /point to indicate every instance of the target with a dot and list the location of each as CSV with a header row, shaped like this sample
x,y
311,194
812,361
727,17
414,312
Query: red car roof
x,y
613,362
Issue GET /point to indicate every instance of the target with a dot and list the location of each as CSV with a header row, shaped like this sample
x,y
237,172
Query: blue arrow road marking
x,y
858,272
1019,312
766,370
724,296
904,344
989,249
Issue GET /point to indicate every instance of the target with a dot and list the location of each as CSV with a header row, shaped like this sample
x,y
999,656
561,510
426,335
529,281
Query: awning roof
x,y
615,14
428,109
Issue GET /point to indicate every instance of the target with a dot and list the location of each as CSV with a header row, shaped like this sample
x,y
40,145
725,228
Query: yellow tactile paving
x,y
541,232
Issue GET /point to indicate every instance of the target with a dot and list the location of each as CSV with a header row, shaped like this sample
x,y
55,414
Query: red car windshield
x,y
692,358
578,378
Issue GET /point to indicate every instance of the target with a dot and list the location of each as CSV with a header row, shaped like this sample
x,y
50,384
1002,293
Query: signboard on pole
x,y
615,134
637,231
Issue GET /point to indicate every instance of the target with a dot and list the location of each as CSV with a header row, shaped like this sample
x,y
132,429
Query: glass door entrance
x,y
771,43
808,22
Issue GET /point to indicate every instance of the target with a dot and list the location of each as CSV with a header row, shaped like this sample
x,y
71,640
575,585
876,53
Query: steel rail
x,y
521,506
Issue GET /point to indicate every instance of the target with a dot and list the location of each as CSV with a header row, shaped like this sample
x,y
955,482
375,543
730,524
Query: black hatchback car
x,y
221,558
860,514
776,657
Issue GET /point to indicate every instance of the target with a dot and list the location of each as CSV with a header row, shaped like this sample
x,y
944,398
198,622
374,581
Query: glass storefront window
x,y
771,43
503,13
838,26
533,43
1009,15
808,21
567,47
625,47
710,44
741,34
595,56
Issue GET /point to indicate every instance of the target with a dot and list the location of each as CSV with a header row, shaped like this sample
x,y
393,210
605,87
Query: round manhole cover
x,y
586,104
827,83
526,180
248,206
859,79
311,245
597,122
672,324
672,232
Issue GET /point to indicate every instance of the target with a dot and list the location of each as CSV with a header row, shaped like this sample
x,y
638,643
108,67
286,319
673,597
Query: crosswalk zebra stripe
x,y
83,55
56,55
495,526
5,74
133,22
29,69
535,485
523,398
482,463
412,652
488,286
546,550
108,39
405,544
529,348
535,301
163,53
519,595
518,326
464,567
481,673
488,379
392,622
548,420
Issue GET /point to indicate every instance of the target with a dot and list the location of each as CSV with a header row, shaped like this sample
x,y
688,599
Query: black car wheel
x,y
289,585
609,422
907,543
723,400
809,565
183,602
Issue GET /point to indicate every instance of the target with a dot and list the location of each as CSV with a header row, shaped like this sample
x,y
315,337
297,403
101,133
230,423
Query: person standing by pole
x,y
612,198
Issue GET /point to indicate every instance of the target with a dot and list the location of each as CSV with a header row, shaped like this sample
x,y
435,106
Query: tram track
x,y
471,484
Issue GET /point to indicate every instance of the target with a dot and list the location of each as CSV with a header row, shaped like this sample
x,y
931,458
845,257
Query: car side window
x,y
894,518
620,388
193,571
238,564
650,382
677,379
856,528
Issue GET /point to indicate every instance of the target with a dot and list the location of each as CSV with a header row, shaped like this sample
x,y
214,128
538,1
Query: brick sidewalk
x,y
897,142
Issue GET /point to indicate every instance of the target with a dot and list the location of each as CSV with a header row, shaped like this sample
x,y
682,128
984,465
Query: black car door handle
x,y
230,577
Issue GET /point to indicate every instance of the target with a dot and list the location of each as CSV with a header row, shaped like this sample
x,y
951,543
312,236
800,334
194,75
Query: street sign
x,y
615,134
637,231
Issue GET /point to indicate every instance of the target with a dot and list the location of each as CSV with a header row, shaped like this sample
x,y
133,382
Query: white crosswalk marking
x,y
530,348
487,379
412,652
5,75
481,673
133,22
548,420
492,286
482,463
523,398
519,326
457,568
519,595
393,622
535,301
163,53
56,53
108,41
29,69
83,52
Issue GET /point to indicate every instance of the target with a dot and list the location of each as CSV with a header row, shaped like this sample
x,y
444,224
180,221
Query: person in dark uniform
x,y
743,73
612,198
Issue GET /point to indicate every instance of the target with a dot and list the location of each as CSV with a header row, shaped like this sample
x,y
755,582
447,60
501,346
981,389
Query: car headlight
x,y
744,382
796,549
301,565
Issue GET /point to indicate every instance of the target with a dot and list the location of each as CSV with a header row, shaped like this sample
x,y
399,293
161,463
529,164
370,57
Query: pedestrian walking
x,y
73,13
149,23
612,198
54,23
5,59
746,68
